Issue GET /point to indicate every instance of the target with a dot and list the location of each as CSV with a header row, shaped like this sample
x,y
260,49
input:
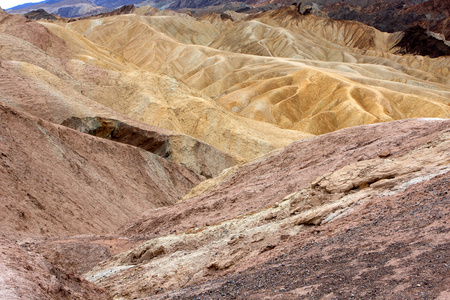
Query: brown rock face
x,y
417,41
126,9
391,16
157,100
39,14
53,184
120,132
34,33
390,247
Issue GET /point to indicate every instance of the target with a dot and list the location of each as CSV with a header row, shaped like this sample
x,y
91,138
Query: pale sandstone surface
x,y
27,275
29,94
162,70
390,247
304,73
246,87
33,81
92,77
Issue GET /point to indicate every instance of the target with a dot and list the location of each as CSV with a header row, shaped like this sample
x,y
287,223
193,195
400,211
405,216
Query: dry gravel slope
x,y
230,222
391,247
28,275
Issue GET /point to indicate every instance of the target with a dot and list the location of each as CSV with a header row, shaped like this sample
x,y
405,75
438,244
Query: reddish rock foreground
x,y
339,214
27,275
269,179
395,247
358,213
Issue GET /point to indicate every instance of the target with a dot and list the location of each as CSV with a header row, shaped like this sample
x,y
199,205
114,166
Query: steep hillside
x,y
52,184
51,88
28,275
62,8
267,180
94,77
391,16
389,247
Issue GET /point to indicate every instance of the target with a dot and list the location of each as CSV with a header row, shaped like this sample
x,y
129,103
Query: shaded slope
x,y
54,184
112,77
351,34
244,189
391,16
40,14
63,8
33,33
417,41
54,89
196,156
65,88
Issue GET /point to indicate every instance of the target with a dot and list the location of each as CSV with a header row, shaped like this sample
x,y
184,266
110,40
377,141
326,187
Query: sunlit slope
x,y
71,76
297,72
163,101
319,102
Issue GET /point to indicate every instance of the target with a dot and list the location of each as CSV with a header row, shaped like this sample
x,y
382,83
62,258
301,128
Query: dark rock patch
x,y
417,41
40,14
121,132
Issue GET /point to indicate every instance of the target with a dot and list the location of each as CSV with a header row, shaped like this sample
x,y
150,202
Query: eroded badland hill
x,y
150,154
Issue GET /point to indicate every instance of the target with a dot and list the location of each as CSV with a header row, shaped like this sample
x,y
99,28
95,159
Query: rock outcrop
x,y
391,16
65,9
269,179
381,248
235,155
39,15
416,41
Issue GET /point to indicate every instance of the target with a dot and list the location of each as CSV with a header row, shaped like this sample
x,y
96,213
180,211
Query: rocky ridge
x,y
27,274
391,16
390,247
244,87
194,155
